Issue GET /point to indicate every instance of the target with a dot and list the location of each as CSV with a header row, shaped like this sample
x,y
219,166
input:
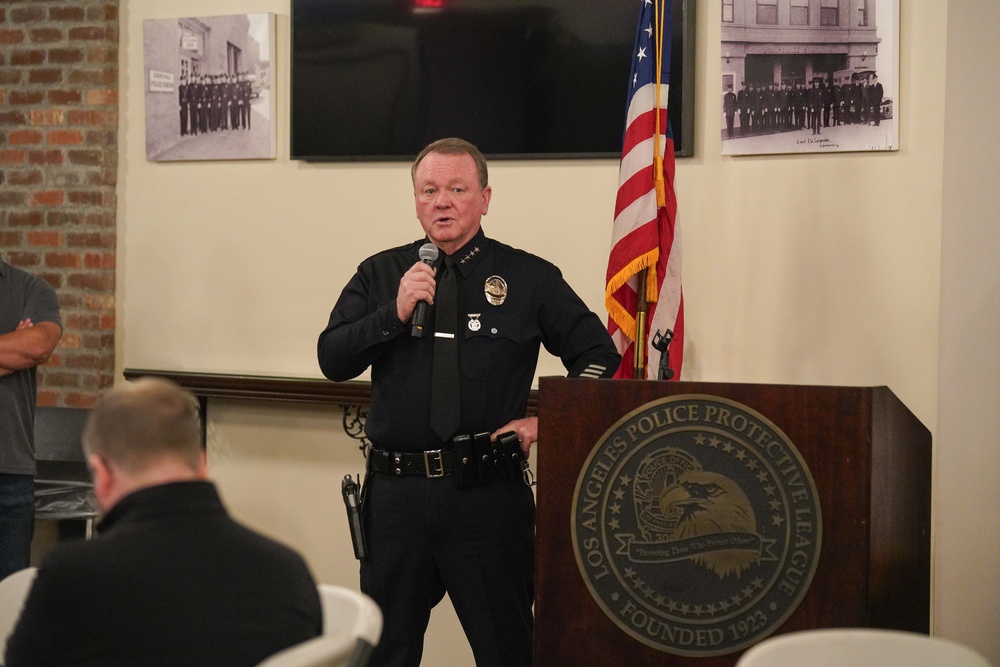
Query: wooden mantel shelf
x,y
260,387
289,389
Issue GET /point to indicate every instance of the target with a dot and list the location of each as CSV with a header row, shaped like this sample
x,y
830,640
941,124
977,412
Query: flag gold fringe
x,y
624,319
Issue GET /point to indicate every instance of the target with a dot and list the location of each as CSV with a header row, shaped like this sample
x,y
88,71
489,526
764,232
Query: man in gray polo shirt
x,y
30,329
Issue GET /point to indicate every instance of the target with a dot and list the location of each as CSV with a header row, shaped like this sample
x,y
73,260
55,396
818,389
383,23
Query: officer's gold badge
x,y
496,290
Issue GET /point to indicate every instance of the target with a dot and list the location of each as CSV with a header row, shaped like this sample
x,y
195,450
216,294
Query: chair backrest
x,y
351,613
352,624
13,590
856,647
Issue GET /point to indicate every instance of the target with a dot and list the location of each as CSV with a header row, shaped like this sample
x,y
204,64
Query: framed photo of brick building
x,y
207,83
809,76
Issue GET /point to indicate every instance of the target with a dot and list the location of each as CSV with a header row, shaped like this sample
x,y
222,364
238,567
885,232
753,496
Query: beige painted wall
x,y
821,269
967,496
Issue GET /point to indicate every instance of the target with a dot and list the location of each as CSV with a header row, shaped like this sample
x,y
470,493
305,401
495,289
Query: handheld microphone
x,y
428,254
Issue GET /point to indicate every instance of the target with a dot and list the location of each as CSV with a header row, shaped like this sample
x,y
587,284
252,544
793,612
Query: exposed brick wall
x,y
58,170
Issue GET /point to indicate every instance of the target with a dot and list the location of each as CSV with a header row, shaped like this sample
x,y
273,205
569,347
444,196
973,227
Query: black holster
x,y
352,501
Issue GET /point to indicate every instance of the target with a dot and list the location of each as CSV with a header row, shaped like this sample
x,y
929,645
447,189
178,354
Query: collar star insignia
x,y
472,253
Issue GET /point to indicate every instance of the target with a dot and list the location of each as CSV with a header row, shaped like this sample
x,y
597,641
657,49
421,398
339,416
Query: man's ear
x,y
103,476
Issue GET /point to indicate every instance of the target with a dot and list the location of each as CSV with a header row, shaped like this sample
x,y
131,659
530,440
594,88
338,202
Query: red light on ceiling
x,y
428,4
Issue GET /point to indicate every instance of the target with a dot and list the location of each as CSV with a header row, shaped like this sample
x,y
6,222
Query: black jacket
x,y
171,580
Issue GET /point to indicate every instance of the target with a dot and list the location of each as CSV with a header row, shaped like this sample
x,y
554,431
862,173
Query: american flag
x,y
645,237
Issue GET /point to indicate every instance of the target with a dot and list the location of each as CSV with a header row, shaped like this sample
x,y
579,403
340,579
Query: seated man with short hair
x,y
171,579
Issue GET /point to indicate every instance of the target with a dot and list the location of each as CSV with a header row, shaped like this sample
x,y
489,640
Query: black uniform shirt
x,y
498,344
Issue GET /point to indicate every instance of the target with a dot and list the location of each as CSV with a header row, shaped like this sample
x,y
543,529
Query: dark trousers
x,y
425,538
17,522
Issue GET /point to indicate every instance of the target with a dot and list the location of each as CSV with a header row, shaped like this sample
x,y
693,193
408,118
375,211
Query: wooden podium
x,y
870,461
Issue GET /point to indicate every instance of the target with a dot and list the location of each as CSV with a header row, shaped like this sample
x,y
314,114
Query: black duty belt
x,y
434,463
472,459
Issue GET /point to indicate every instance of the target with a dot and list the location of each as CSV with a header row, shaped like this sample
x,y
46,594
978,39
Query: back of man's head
x,y
142,424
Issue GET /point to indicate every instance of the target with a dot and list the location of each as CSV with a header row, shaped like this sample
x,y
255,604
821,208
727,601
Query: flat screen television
x,y
380,79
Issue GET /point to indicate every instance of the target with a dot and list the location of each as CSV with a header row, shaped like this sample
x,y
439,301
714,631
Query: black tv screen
x,y
380,79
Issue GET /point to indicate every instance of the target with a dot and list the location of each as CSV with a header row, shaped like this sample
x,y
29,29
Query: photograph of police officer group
x,y
214,102
798,80
207,79
771,108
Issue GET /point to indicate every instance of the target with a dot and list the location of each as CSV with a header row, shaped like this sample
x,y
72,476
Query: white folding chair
x,y
858,647
352,624
13,590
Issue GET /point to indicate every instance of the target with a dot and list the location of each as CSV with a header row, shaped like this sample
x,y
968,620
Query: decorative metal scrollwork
x,y
355,417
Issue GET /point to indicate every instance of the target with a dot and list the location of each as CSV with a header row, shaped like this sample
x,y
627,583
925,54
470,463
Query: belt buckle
x,y
434,455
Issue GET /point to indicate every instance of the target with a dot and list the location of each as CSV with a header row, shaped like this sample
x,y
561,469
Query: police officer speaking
x,y
445,507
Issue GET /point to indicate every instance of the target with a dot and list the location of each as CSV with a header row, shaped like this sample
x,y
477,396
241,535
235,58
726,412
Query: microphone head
x,y
428,253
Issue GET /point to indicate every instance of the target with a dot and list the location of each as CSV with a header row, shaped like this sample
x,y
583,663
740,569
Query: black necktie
x,y
445,408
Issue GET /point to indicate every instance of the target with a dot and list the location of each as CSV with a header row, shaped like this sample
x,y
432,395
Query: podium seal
x,y
696,525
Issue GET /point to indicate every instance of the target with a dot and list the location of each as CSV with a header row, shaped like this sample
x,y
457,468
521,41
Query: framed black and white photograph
x,y
208,88
809,76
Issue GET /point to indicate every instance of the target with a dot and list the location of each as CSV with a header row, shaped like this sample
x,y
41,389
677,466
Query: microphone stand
x,y
662,343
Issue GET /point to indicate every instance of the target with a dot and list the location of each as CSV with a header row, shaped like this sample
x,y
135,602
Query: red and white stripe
x,y
645,236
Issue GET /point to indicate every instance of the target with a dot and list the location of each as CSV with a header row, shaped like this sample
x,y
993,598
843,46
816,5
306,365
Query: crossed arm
x,y
28,345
